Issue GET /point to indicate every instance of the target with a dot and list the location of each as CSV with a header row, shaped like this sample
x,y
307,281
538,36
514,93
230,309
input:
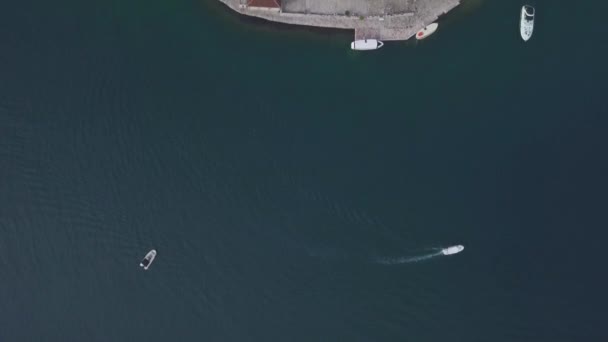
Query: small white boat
x,y
452,250
526,23
366,44
147,260
427,31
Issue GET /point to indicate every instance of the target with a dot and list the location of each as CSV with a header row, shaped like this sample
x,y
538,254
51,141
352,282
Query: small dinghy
x,y
147,260
427,31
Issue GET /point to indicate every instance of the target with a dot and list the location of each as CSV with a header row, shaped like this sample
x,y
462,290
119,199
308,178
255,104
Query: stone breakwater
x,y
383,20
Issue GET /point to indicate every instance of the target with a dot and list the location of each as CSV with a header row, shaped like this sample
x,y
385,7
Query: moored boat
x,y
366,44
147,260
427,31
526,22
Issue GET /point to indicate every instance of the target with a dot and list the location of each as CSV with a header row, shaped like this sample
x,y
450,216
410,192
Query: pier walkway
x,y
383,20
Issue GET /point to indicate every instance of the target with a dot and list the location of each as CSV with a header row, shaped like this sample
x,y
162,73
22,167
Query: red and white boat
x,y
427,31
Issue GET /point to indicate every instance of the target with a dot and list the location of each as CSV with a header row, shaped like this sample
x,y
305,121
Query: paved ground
x,y
379,19
348,7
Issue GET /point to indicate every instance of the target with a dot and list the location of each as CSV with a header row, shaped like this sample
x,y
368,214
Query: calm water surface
x,y
295,190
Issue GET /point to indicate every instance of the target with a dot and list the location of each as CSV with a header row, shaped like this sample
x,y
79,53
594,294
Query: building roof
x,y
264,3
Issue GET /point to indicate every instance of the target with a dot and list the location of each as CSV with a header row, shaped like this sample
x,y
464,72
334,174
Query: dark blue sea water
x,y
294,189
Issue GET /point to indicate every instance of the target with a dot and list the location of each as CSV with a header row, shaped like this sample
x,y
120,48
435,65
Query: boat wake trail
x,y
335,254
407,259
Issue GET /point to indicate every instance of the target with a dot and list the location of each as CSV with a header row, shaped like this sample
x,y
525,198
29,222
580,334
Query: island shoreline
x,y
387,26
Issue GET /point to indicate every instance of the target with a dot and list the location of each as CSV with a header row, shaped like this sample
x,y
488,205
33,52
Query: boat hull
x,y
148,259
427,31
366,44
526,22
452,250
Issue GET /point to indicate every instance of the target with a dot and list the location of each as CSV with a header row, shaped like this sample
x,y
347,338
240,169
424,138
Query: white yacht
x,y
147,260
526,23
427,31
452,250
366,44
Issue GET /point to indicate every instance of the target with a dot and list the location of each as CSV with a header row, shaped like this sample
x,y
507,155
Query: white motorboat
x,y
366,44
147,260
526,23
427,31
452,250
